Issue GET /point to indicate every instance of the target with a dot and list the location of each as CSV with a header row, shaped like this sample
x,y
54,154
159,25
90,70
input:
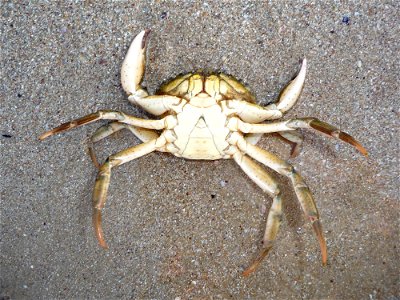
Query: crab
x,y
209,117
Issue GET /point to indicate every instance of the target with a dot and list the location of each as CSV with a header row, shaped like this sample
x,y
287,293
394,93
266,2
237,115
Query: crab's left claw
x,y
133,67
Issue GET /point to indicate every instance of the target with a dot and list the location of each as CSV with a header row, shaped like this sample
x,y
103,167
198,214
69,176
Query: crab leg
x,y
253,138
294,138
104,131
269,185
103,179
293,124
302,191
254,113
108,115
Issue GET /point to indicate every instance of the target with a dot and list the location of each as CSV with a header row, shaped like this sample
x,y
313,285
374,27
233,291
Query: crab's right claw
x,y
291,93
133,66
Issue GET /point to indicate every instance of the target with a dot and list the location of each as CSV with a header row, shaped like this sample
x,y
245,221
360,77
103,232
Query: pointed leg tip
x,y
103,245
359,147
324,255
101,240
336,133
98,229
93,157
251,268
362,150
295,151
44,135
247,272
322,243
264,252
352,141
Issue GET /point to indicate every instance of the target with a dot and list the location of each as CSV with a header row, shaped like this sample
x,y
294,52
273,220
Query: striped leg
x,y
302,191
295,138
293,124
104,131
103,179
268,185
110,115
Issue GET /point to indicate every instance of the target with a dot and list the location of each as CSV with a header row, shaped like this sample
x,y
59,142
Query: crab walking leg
x,y
292,137
293,124
110,115
295,138
301,189
133,66
268,185
253,138
104,131
103,179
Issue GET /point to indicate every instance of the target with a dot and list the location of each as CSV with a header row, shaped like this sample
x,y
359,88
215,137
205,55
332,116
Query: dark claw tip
x,y
145,37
